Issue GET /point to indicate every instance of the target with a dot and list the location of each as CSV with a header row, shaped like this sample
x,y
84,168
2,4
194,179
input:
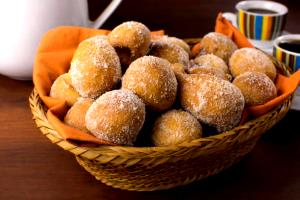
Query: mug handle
x,y
230,17
105,14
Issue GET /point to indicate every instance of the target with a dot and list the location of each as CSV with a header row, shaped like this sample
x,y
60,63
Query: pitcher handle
x,y
105,14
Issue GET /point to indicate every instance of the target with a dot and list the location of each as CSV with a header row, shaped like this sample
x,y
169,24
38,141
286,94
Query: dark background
x,y
180,18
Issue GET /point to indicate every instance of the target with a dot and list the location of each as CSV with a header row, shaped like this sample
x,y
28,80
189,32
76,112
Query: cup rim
x,y
243,3
285,37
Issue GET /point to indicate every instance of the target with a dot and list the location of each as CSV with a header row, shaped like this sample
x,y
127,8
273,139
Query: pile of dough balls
x,y
116,81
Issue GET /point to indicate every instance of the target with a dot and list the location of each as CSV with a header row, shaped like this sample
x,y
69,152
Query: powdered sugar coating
x,y
175,41
212,100
116,116
63,89
75,116
204,69
251,59
175,127
95,67
169,51
130,35
153,80
256,87
218,44
210,60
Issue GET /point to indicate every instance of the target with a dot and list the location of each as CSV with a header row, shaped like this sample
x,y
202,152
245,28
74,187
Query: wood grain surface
x,y
33,168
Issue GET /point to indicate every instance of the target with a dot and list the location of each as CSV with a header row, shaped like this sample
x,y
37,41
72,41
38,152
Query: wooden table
x,y
33,168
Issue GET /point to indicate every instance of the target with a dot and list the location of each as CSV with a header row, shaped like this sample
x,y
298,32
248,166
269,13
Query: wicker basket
x,y
157,168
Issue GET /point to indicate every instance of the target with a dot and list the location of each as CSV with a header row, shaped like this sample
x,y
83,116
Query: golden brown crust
x,y
63,89
197,69
251,59
175,127
256,87
95,67
116,116
131,41
210,60
178,68
172,53
212,100
153,80
218,44
75,116
176,41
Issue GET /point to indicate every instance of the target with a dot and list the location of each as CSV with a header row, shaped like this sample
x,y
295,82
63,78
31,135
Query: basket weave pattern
x,y
157,168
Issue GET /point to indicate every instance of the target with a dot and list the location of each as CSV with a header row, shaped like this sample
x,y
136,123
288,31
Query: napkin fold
x,y
55,53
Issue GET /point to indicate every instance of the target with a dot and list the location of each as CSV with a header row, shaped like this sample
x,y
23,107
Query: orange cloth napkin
x,y
52,59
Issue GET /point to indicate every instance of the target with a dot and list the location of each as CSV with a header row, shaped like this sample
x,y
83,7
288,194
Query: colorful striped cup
x,y
290,58
259,20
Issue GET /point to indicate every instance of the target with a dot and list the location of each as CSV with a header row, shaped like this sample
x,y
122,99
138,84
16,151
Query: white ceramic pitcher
x,y
23,22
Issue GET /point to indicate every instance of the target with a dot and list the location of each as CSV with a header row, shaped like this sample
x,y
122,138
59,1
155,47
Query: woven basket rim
x,y
67,145
194,142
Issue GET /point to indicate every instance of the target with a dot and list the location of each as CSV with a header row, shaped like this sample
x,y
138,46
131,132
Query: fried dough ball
x,y
218,44
131,41
198,69
153,80
256,87
212,100
63,89
251,59
172,53
75,116
116,116
210,60
176,41
178,68
175,127
95,67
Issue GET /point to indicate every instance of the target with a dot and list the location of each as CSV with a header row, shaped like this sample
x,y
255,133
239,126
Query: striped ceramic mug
x,y
259,20
291,57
